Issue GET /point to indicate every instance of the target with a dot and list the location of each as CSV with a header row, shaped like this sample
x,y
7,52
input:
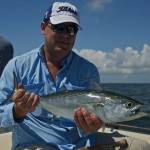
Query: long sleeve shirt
x,y
40,126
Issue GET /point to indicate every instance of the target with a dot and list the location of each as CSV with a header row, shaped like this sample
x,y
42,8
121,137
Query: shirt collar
x,y
41,54
65,61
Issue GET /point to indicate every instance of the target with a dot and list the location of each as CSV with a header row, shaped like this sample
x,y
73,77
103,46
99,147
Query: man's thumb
x,y
20,86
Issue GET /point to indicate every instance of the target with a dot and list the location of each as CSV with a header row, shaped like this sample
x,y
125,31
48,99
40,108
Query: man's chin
x,y
62,49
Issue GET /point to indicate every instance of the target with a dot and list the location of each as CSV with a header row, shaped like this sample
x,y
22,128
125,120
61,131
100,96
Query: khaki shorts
x,y
132,143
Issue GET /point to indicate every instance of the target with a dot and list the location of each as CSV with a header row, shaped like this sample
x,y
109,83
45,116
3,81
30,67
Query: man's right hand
x,y
24,102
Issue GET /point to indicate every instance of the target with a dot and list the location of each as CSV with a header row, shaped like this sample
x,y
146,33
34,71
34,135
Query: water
x,y
140,92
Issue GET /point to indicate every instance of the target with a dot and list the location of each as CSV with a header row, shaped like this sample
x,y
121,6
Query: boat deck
x,y
6,137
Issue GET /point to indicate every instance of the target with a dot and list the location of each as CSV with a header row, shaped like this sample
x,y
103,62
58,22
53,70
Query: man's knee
x,y
138,144
133,143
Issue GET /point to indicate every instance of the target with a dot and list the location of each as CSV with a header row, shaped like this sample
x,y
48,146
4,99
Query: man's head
x,y
60,26
61,12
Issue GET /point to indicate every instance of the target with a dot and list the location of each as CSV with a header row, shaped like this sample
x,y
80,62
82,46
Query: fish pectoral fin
x,y
64,88
103,127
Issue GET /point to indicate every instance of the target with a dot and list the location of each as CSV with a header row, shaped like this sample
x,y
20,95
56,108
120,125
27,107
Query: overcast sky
x,y
115,35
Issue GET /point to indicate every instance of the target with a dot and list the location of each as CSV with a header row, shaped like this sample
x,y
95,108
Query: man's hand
x,y
87,121
24,102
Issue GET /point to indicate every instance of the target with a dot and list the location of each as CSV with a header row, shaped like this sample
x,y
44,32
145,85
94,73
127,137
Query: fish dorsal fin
x,y
64,88
94,84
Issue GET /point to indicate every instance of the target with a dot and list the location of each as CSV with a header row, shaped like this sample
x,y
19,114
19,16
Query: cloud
x,y
127,61
95,5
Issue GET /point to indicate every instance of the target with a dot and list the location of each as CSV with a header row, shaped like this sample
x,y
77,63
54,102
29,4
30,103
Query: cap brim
x,y
62,19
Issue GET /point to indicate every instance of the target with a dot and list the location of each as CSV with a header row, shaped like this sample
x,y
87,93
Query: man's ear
x,y
43,26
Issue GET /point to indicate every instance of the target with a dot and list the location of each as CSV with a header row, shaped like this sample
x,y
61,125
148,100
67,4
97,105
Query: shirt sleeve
x,y
84,134
6,91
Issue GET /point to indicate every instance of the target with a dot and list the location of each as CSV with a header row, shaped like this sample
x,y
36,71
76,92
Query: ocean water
x,y
140,92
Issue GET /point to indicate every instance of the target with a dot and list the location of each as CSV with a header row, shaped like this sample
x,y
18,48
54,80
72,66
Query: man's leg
x,y
36,147
133,143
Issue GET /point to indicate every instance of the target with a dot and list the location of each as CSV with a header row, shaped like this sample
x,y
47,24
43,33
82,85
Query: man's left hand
x,y
87,121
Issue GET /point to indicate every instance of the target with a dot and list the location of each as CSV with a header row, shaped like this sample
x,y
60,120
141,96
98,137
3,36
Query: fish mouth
x,y
134,111
137,110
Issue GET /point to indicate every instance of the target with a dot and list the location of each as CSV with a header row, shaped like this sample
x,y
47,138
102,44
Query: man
x,y
45,70
6,53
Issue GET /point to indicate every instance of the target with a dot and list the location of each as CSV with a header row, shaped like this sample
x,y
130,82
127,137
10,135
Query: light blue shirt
x,y
40,126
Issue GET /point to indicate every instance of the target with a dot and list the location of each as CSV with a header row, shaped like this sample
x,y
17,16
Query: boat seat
x,y
5,141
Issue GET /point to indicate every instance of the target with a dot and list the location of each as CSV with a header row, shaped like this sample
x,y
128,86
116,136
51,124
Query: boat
x,y
127,130
112,128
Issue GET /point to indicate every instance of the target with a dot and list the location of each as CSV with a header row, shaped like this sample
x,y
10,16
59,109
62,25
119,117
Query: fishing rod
x,y
128,128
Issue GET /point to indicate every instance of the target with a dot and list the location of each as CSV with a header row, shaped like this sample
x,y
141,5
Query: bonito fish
x,y
109,106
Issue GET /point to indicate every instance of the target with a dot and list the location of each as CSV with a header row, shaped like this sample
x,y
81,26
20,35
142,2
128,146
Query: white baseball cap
x,y
60,12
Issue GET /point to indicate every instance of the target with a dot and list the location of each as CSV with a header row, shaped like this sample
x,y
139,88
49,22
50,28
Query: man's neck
x,y
53,64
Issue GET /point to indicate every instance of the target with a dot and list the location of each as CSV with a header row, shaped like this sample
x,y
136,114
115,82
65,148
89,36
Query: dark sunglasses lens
x,y
58,27
76,30
72,30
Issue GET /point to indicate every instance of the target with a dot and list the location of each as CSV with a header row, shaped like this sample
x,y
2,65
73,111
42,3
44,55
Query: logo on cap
x,y
68,9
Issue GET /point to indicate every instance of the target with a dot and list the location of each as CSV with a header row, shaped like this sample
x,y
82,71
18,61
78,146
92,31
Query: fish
x,y
108,106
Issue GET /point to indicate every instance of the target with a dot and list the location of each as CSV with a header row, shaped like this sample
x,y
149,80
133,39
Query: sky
x,y
115,34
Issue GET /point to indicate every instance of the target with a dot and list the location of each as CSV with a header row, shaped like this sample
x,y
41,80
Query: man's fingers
x,y
31,101
87,121
20,86
36,101
97,122
83,119
77,117
18,94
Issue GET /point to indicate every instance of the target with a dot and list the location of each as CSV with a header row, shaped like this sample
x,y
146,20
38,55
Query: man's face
x,y
59,40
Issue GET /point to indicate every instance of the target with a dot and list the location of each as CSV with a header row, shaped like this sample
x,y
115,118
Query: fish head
x,y
118,108
122,111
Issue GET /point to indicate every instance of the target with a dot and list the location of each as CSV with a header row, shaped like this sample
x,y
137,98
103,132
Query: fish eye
x,y
129,104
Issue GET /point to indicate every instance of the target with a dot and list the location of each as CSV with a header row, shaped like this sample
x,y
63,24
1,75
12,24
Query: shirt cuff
x,y
8,119
83,133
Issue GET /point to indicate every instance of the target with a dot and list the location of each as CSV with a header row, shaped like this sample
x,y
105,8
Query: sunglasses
x,y
70,29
